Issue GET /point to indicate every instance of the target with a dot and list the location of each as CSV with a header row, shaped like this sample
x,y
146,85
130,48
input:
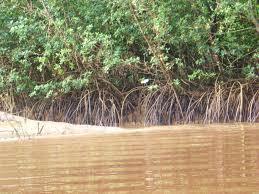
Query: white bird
x,y
144,81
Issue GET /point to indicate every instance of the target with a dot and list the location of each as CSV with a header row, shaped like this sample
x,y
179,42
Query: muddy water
x,y
186,159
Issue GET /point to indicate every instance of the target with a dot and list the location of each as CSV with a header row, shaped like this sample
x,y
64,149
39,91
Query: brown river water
x,y
181,159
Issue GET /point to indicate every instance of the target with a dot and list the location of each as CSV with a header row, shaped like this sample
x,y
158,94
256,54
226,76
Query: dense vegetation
x,y
88,61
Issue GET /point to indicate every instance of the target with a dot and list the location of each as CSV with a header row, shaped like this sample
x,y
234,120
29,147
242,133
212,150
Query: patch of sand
x,y
12,126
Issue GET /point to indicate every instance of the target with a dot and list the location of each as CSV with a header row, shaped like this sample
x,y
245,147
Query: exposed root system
x,y
235,103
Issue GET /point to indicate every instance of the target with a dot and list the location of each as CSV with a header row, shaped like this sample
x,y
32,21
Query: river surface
x,y
186,159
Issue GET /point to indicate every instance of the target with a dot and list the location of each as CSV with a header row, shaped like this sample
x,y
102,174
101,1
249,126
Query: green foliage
x,y
249,72
198,74
50,48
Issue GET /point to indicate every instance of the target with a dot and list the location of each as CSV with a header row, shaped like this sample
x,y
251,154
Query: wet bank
x,y
15,127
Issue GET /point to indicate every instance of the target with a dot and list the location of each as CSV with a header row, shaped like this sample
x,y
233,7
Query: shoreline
x,y
15,127
22,129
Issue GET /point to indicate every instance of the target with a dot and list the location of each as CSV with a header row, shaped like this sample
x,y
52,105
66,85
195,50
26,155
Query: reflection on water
x,y
185,159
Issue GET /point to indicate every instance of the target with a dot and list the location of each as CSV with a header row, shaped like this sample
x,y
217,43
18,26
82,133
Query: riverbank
x,y
19,128
15,127
137,63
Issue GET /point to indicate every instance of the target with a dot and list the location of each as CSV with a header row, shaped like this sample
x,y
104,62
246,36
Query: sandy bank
x,y
15,127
